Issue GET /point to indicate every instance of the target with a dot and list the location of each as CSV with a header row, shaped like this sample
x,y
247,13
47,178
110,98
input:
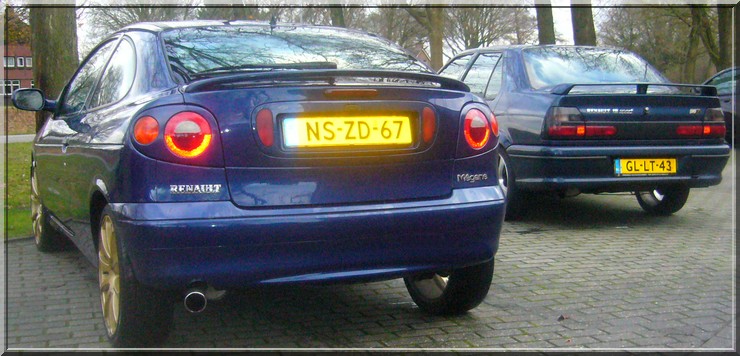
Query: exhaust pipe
x,y
195,300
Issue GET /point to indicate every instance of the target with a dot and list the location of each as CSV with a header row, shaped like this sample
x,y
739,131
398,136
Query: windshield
x,y
550,66
218,49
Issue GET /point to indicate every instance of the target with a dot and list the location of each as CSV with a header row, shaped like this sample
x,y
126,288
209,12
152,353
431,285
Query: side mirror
x,y
32,100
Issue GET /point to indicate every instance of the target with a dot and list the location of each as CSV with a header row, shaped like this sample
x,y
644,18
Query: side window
x,y
456,68
118,76
480,72
494,84
83,82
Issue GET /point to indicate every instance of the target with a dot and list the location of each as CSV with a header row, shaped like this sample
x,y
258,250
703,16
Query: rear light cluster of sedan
x,y
713,126
186,134
566,122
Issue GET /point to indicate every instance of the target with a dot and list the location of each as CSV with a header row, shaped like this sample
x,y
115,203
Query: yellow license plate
x,y
347,131
645,166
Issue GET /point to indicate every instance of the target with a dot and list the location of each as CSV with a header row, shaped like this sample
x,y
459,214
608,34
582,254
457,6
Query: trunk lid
x,y
333,144
638,111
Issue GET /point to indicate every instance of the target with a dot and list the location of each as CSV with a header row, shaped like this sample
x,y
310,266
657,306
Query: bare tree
x,y
479,27
337,16
582,17
700,25
232,12
724,31
673,46
321,15
524,26
54,49
396,25
545,23
16,28
476,27
692,51
106,20
432,19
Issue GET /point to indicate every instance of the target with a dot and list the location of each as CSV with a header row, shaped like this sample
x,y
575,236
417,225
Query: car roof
x,y
715,75
729,69
525,46
168,25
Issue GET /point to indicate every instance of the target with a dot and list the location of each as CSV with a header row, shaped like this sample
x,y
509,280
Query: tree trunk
x,y
706,33
54,49
545,24
432,19
436,36
337,16
724,28
689,67
583,25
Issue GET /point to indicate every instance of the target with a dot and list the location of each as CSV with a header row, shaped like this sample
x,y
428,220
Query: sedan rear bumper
x,y
591,169
172,245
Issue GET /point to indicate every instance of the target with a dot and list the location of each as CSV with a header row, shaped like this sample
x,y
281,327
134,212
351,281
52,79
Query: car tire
x,y
133,315
516,200
451,293
663,201
45,236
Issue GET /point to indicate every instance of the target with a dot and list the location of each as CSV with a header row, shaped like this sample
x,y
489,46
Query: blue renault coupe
x,y
186,159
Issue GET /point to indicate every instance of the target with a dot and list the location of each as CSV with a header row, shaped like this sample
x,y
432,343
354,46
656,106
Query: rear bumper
x,y
591,169
171,245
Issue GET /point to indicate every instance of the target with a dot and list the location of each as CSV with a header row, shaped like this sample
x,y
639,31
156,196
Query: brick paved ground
x,y
588,272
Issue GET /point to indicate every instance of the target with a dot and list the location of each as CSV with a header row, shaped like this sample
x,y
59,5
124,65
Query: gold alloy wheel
x,y
37,214
109,275
432,288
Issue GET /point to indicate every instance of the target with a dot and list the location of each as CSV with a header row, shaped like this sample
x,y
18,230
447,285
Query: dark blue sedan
x,y
579,119
185,159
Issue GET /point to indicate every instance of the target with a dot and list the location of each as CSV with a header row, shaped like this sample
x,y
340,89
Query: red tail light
x,y
477,129
567,131
428,124
146,130
690,130
494,125
706,131
715,130
565,122
266,127
187,134
595,131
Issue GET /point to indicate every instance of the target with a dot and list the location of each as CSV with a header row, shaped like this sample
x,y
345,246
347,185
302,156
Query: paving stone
x,y
585,273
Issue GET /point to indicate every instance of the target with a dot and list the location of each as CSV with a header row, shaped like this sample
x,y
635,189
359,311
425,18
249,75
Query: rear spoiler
x,y
329,76
640,88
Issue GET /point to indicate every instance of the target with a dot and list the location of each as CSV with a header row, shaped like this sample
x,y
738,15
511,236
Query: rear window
x,y
550,66
233,48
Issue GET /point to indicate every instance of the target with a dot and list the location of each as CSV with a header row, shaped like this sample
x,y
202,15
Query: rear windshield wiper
x,y
266,67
